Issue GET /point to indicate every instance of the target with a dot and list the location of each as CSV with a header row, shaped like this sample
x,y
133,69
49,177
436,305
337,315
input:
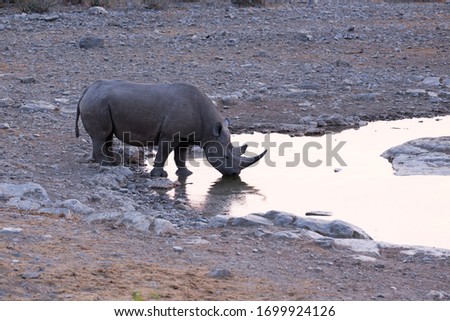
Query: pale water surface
x,y
412,210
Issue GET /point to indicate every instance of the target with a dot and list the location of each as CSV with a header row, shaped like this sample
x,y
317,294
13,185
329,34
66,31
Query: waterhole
x,y
354,184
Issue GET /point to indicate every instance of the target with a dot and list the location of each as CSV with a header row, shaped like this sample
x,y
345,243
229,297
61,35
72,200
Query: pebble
x,y
318,213
6,102
30,275
432,81
178,249
95,11
28,80
230,100
11,230
219,273
91,42
416,92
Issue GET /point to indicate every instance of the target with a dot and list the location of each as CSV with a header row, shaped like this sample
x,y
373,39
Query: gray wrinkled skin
x,y
169,116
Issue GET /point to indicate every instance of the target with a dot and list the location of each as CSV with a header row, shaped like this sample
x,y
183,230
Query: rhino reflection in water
x,y
169,116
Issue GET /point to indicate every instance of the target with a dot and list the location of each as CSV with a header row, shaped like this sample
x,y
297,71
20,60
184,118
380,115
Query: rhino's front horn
x,y
248,161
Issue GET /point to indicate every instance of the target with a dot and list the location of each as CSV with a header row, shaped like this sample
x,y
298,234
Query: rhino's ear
x,y
217,129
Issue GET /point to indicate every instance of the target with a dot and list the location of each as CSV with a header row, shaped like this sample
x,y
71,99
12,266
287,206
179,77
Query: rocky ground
x,y
87,233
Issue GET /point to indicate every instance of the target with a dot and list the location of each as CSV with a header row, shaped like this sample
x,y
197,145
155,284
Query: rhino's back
x,y
148,111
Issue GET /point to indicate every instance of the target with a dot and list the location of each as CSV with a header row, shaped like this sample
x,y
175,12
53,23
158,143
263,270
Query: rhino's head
x,y
223,156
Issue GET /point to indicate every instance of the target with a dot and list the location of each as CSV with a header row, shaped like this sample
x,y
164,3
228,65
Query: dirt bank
x,y
284,68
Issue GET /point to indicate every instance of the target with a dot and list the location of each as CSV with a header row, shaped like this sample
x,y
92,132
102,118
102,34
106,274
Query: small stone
x,y
416,92
4,126
58,212
367,96
233,42
6,102
432,81
364,258
30,275
230,100
77,206
91,42
97,11
178,249
28,80
49,18
219,273
161,183
10,230
318,213
444,94
342,63
183,207
446,82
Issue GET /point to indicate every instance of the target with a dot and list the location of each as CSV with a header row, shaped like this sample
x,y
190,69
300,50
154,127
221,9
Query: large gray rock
x,y
77,207
163,227
24,205
135,220
423,156
432,81
280,218
250,220
25,192
218,221
335,229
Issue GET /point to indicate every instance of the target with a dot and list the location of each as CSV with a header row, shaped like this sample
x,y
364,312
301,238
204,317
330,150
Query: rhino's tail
x,y
77,131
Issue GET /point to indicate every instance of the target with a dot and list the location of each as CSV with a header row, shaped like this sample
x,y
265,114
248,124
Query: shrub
x,y
36,6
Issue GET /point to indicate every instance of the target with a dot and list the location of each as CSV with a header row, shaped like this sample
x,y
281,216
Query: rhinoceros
x,y
169,116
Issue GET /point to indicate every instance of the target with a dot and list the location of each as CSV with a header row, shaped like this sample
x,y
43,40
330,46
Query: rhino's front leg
x,y
163,152
180,160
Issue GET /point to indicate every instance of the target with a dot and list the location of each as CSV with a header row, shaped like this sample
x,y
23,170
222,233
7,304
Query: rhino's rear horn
x,y
238,151
248,161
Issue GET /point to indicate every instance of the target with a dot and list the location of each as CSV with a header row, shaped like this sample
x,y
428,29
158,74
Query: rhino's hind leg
x,y
180,161
102,151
